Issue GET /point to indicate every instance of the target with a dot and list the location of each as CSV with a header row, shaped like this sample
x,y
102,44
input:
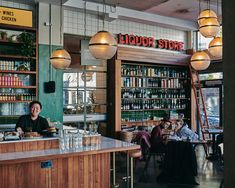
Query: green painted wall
x,y
52,102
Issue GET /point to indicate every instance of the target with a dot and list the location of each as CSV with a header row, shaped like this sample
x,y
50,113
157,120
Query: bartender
x,y
32,122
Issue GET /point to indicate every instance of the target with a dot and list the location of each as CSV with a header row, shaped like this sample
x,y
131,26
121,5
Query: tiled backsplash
x,y
23,5
74,24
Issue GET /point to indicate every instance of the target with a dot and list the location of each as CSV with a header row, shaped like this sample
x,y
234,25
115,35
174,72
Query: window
x,y
84,91
211,76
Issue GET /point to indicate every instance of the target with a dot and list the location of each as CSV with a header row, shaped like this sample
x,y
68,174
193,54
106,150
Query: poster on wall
x,y
19,17
86,57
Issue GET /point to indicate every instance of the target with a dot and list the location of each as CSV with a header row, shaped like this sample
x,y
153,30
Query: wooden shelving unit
x,y
180,92
18,70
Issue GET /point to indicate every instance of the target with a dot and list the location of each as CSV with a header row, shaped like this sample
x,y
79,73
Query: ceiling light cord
x,y
85,13
199,7
98,24
104,11
50,43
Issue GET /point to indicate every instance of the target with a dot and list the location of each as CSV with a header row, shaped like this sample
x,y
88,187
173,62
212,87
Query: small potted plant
x,y
28,46
3,35
13,38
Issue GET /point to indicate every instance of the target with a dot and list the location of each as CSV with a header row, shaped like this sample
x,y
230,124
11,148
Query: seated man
x,y
157,138
184,132
32,122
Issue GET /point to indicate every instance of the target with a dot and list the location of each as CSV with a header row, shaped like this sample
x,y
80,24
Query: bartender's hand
x,y
20,131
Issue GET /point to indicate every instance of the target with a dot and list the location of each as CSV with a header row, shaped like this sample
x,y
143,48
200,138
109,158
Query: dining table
x,y
180,164
214,132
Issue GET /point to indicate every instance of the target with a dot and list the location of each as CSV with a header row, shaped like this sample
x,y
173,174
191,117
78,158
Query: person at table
x,y
183,131
157,139
32,122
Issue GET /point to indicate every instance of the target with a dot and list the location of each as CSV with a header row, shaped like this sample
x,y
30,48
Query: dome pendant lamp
x,y
215,47
200,60
103,45
207,13
60,58
207,21
209,27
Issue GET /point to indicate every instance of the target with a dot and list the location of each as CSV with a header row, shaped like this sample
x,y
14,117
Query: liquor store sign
x,y
13,16
143,41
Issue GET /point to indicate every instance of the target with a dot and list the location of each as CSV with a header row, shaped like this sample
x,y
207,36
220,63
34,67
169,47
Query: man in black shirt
x,y
32,122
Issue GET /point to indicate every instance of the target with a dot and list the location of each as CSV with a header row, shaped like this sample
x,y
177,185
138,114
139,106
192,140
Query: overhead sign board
x,y
12,16
143,41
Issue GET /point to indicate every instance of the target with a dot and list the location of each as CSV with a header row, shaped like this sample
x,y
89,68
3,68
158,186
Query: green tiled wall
x,y
52,102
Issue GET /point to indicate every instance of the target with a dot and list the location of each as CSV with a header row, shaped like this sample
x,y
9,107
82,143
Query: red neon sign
x,y
135,40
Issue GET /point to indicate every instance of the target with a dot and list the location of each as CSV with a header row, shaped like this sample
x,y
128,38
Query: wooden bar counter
x,y
85,167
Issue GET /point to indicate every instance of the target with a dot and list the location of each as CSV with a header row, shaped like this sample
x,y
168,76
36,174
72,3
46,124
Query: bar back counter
x,y
40,163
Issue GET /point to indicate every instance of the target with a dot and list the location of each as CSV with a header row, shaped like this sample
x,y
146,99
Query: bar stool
x,y
131,155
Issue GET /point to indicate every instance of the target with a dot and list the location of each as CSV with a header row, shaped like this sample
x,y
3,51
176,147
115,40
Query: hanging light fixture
x,y
103,45
200,60
209,27
60,58
207,13
215,47
207,21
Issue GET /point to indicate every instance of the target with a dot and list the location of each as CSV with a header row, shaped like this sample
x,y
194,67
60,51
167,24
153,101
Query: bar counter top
x,y
107,145
29,139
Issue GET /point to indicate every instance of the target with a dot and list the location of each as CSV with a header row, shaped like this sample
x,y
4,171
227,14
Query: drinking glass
x,y
62,143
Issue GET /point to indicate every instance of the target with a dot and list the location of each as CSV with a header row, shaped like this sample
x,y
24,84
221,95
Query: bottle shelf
x,y
8,56
153,98
19,87
154,77
18,72
15,101
155,109
152,87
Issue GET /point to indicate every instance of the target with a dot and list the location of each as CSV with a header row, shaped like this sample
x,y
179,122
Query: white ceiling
x,y
180,14
182,9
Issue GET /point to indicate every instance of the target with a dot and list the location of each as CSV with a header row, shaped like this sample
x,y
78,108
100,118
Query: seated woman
x,y
183,131
143,139
157,138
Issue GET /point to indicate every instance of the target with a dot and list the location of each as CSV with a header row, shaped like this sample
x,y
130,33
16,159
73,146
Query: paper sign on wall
x,y
14,16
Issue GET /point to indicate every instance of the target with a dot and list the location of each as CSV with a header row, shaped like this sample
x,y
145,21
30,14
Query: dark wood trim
x,y
18,28
152,56
22,146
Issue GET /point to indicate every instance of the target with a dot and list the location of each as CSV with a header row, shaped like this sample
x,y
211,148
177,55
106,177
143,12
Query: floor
x,y
210,173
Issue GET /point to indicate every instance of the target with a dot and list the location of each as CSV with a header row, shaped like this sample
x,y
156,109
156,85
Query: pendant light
x,y
216,47
207,13
60,58
209,27
103,45
200,60
207,21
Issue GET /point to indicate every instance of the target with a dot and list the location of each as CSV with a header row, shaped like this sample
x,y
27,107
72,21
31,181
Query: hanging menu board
x,y
14,16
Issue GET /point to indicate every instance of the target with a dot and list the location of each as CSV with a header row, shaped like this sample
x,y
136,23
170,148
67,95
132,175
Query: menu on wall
x,y
14,16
